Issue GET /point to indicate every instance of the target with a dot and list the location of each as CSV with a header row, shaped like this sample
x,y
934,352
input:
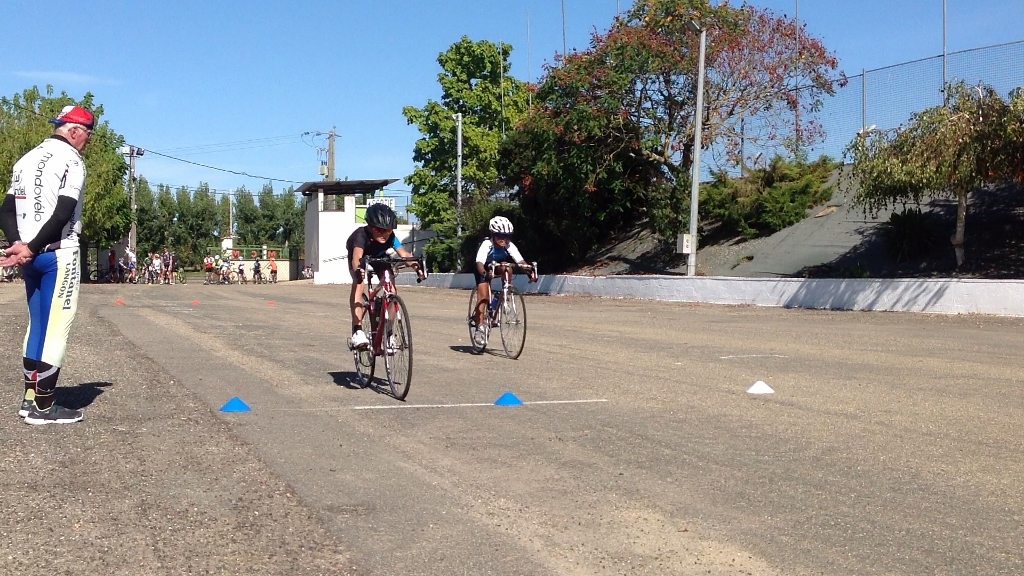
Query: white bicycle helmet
x,y
500,225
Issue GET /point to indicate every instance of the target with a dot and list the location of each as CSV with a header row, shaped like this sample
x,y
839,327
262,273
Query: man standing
x,y
41,215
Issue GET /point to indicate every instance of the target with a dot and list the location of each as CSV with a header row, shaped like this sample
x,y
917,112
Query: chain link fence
x,y
887,97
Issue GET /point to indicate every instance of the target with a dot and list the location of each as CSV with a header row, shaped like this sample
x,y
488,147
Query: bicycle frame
x,y
491,316
375,295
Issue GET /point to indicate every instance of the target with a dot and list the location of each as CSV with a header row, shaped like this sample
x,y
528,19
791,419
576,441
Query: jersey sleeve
x,y
395,242
74,179
483,251
514,252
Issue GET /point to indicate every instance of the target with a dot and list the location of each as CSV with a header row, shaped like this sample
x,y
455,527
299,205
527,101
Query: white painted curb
x,y
935,296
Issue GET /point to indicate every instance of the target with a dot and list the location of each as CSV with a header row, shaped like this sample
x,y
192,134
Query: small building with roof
x,y
334,209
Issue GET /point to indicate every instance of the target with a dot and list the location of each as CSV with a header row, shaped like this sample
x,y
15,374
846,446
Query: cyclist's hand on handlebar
x,y
360,275
533,277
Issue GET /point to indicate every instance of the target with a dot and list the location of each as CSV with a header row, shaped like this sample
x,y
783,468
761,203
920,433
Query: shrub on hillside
x,y
766,200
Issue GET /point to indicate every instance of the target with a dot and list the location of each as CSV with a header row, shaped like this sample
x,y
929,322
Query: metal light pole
x,y
458,173
691,259
945,99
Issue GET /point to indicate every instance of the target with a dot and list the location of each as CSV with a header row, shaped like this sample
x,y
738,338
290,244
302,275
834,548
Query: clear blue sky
x,y
251,77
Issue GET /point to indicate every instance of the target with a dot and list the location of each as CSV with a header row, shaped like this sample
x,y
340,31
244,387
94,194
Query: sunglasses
x,y
502,236
376,230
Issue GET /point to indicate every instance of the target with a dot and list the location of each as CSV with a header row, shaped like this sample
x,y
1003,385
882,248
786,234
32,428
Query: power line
x,y
237,145
236,172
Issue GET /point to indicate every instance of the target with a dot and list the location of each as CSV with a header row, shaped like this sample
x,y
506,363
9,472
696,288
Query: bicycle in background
x,y
386,323
506,310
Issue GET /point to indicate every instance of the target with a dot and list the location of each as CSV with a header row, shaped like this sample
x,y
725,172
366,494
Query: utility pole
x,y
458,173
330,155
132,152
330,168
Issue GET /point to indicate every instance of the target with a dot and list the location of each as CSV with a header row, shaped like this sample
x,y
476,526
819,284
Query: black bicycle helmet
x,y
381,216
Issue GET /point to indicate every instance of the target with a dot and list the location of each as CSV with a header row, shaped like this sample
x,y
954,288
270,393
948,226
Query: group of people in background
x,y
156,268
219,270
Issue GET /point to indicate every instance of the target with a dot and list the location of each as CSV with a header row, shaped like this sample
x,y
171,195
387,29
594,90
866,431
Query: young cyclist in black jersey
x,y
498,248
373,240
41,215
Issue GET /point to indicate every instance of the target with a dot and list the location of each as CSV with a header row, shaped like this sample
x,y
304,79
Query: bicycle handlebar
x,y
419,262
531,267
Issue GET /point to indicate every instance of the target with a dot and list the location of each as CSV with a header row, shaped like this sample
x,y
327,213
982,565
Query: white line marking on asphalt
x,y
754,356
388,407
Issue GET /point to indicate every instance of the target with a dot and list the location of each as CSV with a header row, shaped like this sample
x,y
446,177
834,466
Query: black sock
x,y
29,367
46,384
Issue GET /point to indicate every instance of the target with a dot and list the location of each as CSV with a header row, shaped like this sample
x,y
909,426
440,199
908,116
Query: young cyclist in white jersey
x,y
498,248
41,214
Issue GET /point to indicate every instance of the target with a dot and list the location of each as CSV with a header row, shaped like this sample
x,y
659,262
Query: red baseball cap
x,y
74,115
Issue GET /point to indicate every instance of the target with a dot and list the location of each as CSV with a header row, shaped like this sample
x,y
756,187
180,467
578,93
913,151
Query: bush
x,y
909,235
767,199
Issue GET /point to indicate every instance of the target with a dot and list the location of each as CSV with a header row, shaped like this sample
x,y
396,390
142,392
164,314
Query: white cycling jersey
x,y
50,170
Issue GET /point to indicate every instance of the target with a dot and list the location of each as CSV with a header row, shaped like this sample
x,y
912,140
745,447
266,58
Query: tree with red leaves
x,y
617,120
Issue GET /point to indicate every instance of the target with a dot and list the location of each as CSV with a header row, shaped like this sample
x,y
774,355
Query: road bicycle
x,y
386,323
506,310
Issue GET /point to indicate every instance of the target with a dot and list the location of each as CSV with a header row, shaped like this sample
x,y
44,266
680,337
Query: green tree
x,y
205,220
475,82
150,232
268,225
225,217
293,218
166,216
106,210
944,151
247,217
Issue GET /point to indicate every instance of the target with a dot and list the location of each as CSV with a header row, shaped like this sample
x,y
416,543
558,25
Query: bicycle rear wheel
x,y
397,344
364,358
513,323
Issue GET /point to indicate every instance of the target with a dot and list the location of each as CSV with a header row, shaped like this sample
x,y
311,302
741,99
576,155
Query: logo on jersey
x,y
37,191
19,190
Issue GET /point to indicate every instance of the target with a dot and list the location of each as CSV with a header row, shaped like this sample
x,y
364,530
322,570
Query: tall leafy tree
x,y
166,216
269,224
293,218
148,227
106,212
247,217
475,82
206,220
225,217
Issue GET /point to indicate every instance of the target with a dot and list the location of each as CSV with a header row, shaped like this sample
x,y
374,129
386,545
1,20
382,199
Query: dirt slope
x,y
837,239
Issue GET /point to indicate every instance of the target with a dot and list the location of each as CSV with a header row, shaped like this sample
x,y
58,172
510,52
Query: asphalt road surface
x,y
891,444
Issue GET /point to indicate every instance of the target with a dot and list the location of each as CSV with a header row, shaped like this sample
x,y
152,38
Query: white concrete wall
x,y
937,296
325,249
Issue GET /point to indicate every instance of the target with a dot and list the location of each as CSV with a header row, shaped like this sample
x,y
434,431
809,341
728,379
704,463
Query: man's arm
x,y
52,228
9,218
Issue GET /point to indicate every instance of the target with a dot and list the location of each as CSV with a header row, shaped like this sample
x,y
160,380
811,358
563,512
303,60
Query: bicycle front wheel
x,y
477,347
397,345
364,358
513,323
